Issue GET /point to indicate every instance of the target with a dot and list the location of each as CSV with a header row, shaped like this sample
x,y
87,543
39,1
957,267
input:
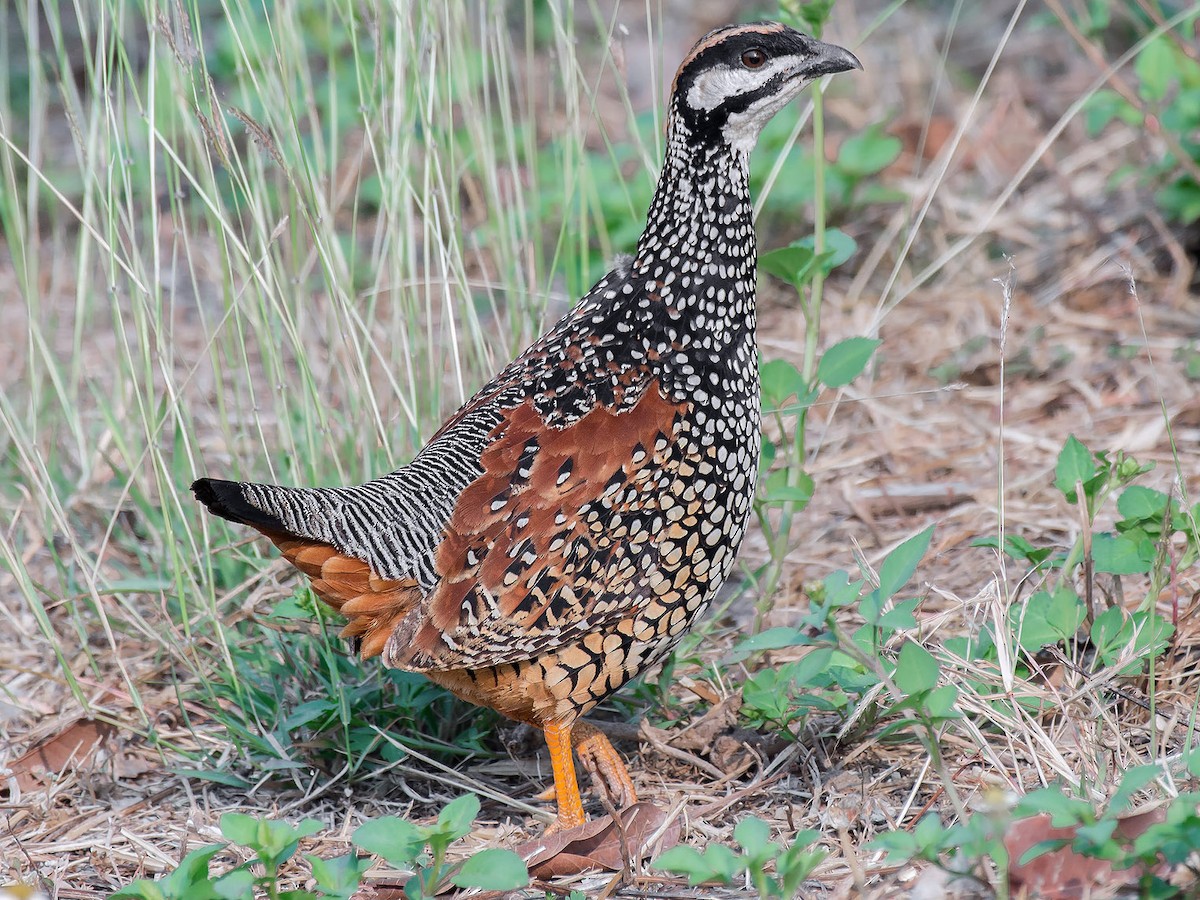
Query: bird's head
x,y
737,77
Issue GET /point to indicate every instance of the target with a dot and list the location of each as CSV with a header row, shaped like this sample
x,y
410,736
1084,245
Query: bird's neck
x,y
700,228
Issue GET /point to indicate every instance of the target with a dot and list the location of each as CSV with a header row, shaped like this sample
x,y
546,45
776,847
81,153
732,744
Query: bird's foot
x,y
601,760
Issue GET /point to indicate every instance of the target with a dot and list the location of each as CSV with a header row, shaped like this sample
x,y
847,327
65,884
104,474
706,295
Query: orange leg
x,y
604,764
566,787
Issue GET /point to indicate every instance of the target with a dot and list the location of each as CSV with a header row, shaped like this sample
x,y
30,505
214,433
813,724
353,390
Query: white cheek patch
x,y
742,129
714,86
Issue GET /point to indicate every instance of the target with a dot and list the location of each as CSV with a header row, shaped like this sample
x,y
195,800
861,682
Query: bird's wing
x,y
557,537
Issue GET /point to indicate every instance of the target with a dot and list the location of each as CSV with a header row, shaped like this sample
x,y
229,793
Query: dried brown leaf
x,y
73,746
1064,874
597,845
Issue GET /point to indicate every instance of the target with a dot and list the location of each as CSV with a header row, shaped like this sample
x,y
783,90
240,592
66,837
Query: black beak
x,y
828,59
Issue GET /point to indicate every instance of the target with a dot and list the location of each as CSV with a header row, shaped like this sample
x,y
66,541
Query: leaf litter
x,y
91,807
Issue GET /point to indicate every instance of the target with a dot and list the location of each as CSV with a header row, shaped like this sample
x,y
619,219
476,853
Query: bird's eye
x,y
754,58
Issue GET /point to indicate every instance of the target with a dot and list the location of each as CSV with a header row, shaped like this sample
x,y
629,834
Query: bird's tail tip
x,y
216,493
227,499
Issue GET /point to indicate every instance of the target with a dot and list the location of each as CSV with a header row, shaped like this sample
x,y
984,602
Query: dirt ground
x,y
1039,299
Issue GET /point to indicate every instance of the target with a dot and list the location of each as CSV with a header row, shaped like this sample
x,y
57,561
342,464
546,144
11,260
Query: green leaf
x,y
1132,781
870,608
717,863
309,711
1041,848
1152,632
930,832
1139,502
1046,618
970,647
139,890
1123,554
798,262
189,880
845,361
1156,68
276,842
1177,837
776,489
493,869
771,639
240,828
815,13
136,586
793,264
1104,106
901,616
752,834
839,589
397,840
457,817
193,869
768,455
339,877
1193,763
797,861
839,247
767,694
1096,839
902,562
1111,632
235,885
916,669
900,846
873,193
780,380
1180,200
217,777
1075,464
940,702
1016,547
813,666
1064,811
868,152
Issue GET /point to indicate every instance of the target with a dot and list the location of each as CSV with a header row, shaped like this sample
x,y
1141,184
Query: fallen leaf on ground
x,y
1063,874
72,747
601,844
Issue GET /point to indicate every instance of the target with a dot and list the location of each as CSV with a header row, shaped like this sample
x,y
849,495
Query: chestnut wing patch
x,y
552,541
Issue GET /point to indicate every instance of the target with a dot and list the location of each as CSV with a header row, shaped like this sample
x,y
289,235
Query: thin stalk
x,y
810,308
812,305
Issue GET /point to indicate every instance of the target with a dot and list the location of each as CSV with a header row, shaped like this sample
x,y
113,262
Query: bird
x,y
561,532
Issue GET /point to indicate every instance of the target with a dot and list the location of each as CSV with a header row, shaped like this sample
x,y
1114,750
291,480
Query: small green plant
x,y
273,844
960,848
1155,538
422,848
787,395
841,668
967,846
1164,100
418,848
791,862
